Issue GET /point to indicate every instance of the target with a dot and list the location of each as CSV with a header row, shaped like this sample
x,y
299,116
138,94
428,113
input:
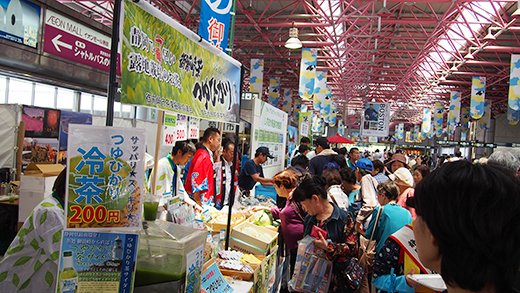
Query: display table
x,y
8,223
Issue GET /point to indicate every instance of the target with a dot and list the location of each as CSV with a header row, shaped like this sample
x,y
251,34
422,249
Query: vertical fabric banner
x,y
287,101
512,116
416,133
341,127
438,118
297,108
333,111
478,94
274,91
214,22
486,118
256,76
514,84
427,121
454,113
432,127
326,109
320,90
314,123
399,131
464,119
308,72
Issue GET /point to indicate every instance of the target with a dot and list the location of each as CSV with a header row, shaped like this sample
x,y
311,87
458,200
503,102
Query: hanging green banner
x,y
165,66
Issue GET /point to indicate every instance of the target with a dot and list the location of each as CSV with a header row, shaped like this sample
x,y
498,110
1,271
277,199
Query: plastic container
x,y
166,250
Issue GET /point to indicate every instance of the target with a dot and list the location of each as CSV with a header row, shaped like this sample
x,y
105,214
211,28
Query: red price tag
x,y
169,139
181,134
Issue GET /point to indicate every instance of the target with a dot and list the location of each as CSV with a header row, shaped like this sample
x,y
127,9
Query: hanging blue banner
x,y
214,22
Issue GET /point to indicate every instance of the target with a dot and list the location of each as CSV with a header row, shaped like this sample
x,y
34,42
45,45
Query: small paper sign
x,y
214,282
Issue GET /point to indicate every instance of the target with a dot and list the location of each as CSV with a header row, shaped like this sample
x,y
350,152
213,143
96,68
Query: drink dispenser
x,y
170,258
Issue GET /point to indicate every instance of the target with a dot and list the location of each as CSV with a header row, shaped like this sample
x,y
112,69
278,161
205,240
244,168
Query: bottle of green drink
x,y
68,277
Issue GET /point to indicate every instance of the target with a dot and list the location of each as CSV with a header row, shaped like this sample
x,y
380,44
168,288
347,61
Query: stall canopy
x,y
339,139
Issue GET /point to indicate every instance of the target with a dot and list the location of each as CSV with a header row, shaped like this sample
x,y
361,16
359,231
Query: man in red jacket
x,y
200,182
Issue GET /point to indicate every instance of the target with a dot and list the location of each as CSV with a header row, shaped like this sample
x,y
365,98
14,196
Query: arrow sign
x,y
57,43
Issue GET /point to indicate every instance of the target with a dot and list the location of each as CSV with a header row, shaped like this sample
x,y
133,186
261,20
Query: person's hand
x,y
256,209
216,155
359,228
411,283
321,243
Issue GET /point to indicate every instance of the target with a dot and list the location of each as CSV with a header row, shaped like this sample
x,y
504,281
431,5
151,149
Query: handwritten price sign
x,y
175,128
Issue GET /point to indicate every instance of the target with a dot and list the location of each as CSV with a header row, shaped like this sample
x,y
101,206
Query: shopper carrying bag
x,y
367,255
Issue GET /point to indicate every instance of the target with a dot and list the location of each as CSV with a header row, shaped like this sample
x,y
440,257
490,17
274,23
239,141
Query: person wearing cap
x,y
252,171
368,194
404,179
398,161
323,155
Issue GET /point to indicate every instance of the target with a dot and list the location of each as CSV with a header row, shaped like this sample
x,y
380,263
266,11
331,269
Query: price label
x,y
182,127
175,129
193,129
181,134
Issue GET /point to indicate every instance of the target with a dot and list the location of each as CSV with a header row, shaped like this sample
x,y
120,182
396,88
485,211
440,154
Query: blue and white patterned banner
x,y
399,131
438,118
478,94
308,72
297,108
214,22
427,121
318,126
512,116
274,91
256,76
417,133
341,127
320,90
464,119
514,84
486,118
287,101
454,113
332,117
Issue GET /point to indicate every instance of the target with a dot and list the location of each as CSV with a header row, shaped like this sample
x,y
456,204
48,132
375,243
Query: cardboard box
x,y
241,241
35,185
236,219
43,170
262,276
252,220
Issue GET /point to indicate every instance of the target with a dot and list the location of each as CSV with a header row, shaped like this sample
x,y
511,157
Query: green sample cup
x,y
150,210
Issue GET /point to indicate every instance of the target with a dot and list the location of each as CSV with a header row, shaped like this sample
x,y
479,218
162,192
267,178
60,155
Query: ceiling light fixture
x,y
489,36
455,66
293,42
469,56
250,10
384,12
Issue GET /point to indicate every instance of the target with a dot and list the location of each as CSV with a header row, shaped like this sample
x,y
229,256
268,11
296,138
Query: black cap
x,y
322,141
264,150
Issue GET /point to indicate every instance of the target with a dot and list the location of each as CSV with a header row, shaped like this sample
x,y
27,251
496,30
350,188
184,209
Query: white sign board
x,y
376,119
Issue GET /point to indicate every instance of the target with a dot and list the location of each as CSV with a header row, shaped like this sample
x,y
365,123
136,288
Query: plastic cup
x,y
150,207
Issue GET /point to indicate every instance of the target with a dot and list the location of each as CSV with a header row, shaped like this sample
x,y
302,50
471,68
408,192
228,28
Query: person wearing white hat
x,y
404,179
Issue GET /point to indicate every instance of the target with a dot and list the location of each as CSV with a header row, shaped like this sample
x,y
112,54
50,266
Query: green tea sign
x,y
163,67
